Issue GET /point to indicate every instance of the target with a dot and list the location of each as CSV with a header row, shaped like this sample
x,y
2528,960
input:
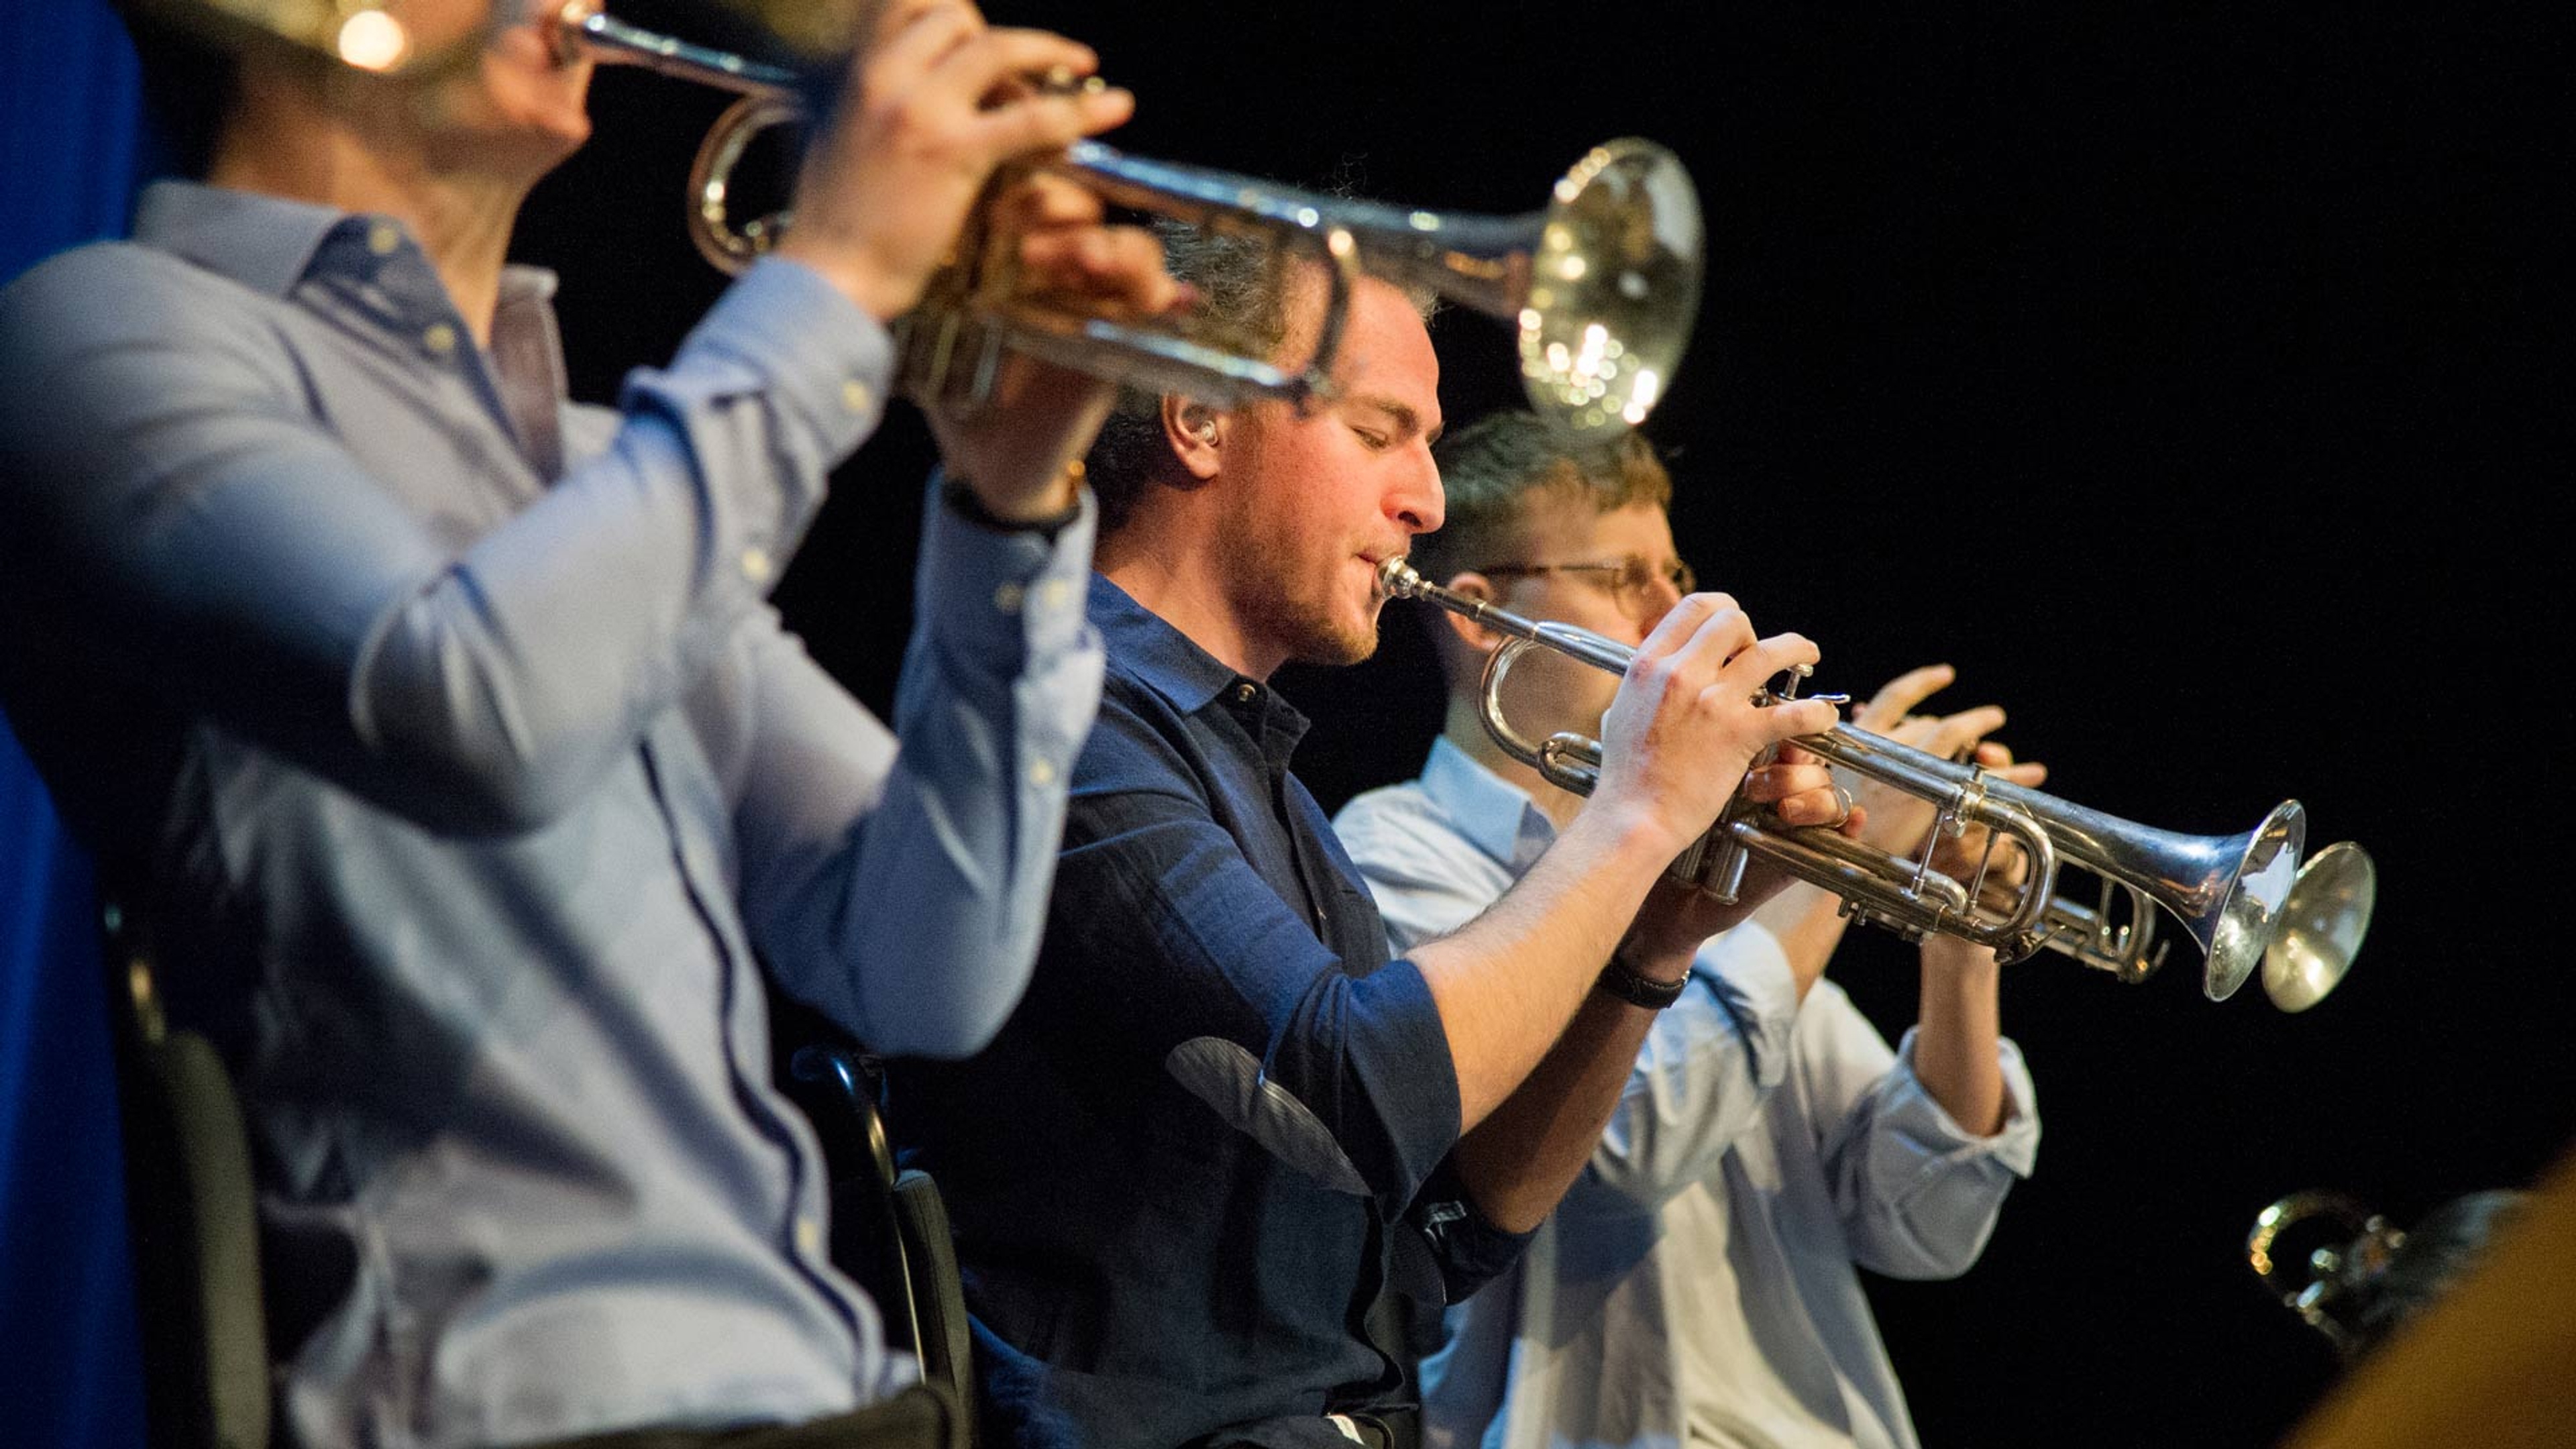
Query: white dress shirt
x,y
1697,1284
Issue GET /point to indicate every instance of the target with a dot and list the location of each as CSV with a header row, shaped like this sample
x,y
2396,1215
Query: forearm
x,y
1957,1035
1808,922
904,893
1520,1160
1508,982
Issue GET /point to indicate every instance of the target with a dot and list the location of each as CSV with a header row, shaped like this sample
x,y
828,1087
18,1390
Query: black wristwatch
x,y
960,498
1637,989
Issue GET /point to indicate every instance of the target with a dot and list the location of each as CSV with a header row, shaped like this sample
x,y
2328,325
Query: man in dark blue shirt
x,y
1223,1125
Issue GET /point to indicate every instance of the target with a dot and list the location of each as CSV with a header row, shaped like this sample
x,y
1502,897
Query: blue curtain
x,y
70,141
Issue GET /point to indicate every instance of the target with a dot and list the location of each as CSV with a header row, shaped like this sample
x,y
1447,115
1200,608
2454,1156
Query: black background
x,y
2188,375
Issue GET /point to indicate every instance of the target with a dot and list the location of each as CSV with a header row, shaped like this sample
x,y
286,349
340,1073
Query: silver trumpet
x,y
2245,899
1601,284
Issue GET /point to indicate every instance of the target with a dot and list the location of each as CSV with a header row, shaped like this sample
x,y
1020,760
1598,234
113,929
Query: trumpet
x,y
1601,284
2244,899
2369,1276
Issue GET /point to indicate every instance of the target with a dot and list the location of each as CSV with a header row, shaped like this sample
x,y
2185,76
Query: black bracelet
x,y
959,496
1637,989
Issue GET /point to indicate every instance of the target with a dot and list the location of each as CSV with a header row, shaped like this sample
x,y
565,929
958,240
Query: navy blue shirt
x,y
1216,1129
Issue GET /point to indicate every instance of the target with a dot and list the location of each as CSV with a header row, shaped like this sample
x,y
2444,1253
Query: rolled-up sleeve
x,y
1709,1063
1918,1194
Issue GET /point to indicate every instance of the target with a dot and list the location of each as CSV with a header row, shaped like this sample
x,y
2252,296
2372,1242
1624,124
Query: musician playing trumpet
x,y
1697,1284
445,728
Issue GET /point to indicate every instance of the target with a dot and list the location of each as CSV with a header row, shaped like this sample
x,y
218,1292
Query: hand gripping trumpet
x,y
2245,899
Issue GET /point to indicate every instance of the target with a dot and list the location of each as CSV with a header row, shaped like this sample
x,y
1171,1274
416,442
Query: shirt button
x,y
440,339
383,237
1244,691
756,565
1056,593
1041,773
1009,597
856,396
809,1237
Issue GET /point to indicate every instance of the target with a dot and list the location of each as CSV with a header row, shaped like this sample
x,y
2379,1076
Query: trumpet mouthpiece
x,y
1396,578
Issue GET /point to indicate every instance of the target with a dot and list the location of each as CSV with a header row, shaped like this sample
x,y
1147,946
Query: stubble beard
x,y
1319,635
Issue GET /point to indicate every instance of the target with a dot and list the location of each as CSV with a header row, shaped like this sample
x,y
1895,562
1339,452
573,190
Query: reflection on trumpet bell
x,y
2245,899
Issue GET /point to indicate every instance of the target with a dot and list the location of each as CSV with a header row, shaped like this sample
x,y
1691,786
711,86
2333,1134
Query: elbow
x,y
478,748
1627,1187
947,1017
487,792
1622,1178
940,1037
1914,1253
1649,1153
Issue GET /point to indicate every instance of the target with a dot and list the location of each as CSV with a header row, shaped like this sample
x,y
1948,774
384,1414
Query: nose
x,y
1661,596
1414,499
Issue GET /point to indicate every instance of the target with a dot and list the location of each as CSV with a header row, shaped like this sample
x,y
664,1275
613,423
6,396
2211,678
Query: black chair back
x,y
192,1219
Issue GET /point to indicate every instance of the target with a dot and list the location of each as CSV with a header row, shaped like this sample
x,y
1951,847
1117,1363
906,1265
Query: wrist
x,y
1952,956
1047,510
1625,836
870,288
1642,978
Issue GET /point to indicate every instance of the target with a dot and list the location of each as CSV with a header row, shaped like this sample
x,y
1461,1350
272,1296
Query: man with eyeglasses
x,y
1697,1284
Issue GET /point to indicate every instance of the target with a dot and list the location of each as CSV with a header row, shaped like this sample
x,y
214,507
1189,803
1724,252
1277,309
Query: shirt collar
x,y
263,242
1143,644
1497,816
267,243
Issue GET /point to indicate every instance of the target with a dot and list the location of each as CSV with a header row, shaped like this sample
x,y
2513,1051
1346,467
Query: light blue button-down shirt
x,y
473,779
1697,1285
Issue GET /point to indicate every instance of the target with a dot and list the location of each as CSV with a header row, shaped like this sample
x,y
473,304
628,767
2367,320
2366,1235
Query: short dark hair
x,y
1245,285
1493,468
1242,294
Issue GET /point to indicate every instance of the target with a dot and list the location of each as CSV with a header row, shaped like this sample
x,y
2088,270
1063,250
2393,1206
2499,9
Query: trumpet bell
x,y
2242,928
1613,289
2321,926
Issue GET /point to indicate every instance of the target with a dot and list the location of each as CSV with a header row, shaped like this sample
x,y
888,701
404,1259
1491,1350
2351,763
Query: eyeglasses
x,y
1630,580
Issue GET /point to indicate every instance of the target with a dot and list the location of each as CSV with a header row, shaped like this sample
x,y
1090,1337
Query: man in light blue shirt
x,y
469,779
1697,1285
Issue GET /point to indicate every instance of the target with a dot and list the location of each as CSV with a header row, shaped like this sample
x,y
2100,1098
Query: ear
x,y
1195,432
1475,636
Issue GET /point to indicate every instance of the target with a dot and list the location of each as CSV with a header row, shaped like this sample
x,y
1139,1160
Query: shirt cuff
x,y
776,385
1400,1054
828,359
1748,973
1466,1247
997,599
1912,1109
